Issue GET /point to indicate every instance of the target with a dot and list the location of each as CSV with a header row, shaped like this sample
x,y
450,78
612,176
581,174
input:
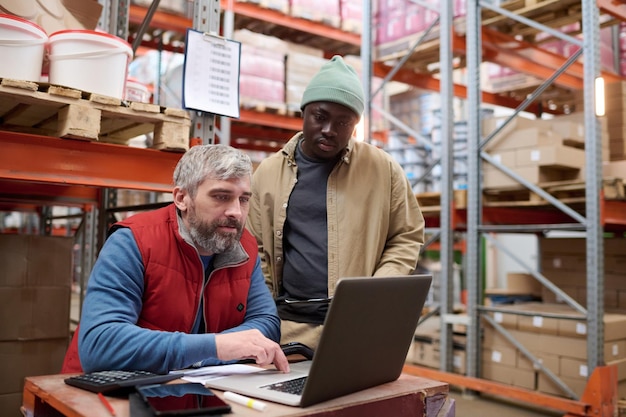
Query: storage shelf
x,y
49,160
262,20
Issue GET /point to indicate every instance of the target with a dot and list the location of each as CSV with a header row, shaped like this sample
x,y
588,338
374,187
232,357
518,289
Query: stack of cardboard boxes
x,y
426,347
35,290
538,150
616,118
556,335
552,331
563,261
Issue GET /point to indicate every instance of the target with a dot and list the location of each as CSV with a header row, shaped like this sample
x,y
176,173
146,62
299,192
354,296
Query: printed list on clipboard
x,y
211,74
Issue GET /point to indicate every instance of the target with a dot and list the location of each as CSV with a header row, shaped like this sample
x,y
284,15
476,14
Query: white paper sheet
x,y
207,373
211,74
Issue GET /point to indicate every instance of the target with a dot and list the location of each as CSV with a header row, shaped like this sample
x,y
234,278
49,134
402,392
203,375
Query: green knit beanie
x,y
336,82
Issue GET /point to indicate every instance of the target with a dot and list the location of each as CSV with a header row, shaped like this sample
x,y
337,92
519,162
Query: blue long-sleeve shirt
x,y
109,337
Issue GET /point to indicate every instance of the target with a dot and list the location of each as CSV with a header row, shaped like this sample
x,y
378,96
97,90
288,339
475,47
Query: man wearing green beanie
x,y
327,206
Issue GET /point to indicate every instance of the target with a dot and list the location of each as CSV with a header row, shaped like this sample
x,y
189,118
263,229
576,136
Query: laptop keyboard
x,y
292,386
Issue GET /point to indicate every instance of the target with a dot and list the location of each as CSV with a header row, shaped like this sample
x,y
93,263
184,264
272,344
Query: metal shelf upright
x,y
600,394
444,233
591,222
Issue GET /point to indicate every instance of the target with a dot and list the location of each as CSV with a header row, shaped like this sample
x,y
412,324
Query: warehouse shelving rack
x,y
476,220
98,166
600,214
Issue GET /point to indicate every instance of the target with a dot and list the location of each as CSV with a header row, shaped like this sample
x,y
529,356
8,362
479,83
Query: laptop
x,y
367,333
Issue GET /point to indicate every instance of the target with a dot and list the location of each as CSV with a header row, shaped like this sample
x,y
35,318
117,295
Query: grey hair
x,y
218,162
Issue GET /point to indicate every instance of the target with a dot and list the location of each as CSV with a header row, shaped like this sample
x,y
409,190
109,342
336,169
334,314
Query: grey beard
x,y
205,236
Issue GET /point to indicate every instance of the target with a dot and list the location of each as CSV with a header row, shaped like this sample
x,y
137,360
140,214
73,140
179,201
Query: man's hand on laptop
x,y
251,344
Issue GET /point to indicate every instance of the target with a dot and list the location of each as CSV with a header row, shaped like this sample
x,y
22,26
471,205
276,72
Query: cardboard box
x,y
547,360
423,353
504,157
547,386
574,368
506,320
518,283
571,347
523,283
492,337
494,178
10,404
578,293
501,355
56,15
552,344
616,350
621,368
31,260
35,286
555,263
538,135
555,156
34,313
490,124
616,169
507,375
577,246
22,358
538,324
571,126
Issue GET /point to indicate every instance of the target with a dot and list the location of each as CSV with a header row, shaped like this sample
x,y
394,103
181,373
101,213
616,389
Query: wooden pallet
x,y
568,192
278,5
51,110
551,13
314,16
264,107
430,202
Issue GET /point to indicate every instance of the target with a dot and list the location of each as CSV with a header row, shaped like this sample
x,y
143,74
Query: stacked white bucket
x,y
91,61
22,46
87,60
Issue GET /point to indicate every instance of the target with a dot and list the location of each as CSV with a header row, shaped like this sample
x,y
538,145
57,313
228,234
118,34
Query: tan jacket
x,y
375,226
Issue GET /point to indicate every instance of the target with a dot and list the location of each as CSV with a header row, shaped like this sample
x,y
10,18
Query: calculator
x,y
118,382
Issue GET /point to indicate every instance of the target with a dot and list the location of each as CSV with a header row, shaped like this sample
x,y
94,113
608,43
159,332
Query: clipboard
x,y
211,74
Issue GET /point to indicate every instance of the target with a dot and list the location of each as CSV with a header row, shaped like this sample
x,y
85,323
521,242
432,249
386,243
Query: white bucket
x,y
136,91
22,45
91,61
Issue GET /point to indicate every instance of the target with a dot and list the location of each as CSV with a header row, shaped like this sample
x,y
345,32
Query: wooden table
x,y
409,396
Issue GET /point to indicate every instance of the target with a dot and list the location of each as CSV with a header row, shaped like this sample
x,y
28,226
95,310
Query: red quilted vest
x,y
173,281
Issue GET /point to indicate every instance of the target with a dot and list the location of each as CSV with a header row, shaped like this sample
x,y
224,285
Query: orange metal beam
x,y
612,212
601,391
164,21
170,21
63,161
528,58
296,23
615,8
13,192
269,120
575,408
430,83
